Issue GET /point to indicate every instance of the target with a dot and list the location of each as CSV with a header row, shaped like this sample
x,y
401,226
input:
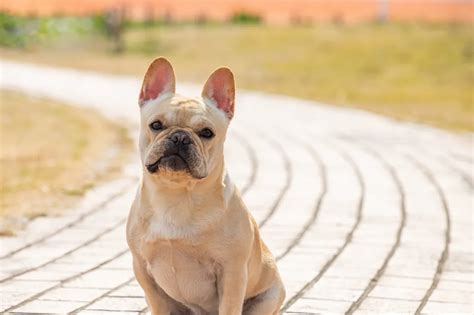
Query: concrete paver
x,y
363,213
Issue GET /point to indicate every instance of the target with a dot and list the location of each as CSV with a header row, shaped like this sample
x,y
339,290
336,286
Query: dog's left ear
x,y
159,79
220,88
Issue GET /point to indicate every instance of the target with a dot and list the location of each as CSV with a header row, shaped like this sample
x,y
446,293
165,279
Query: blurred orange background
x,y
274,11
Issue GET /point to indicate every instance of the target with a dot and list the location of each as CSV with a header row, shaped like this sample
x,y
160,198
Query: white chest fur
x,y
186,216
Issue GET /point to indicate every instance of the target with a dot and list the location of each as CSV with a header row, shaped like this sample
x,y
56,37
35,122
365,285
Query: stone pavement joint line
x,y
253,160
317,207
288,179
364,214
348,238
447,238
373,281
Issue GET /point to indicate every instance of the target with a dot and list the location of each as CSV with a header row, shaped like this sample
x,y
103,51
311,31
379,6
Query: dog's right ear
x,y
159,79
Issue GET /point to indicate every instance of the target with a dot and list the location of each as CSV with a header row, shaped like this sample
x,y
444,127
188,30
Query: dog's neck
x,y
184,210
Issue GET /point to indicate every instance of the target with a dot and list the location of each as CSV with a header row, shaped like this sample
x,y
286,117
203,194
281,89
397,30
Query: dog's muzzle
x,y
177,150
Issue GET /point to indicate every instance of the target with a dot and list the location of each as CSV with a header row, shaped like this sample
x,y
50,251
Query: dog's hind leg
x,y
266,303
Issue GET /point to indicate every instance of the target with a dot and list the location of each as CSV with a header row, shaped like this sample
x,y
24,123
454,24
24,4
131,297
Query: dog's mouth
x,y
173,162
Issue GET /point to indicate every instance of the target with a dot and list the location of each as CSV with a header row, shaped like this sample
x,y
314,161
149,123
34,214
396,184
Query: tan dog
x,y
196,248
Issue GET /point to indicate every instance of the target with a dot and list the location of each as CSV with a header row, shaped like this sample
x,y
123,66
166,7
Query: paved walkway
x,y
364,214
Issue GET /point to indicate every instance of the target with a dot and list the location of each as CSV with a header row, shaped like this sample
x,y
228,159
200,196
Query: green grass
x,y
416,72
23,32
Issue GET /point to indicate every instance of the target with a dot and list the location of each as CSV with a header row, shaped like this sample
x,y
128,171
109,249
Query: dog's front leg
x,y
232,287
157,302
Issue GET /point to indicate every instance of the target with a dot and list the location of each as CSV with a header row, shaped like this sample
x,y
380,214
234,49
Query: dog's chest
x,y
185,273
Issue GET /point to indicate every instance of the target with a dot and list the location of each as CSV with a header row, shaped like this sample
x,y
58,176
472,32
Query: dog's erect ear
x,y
220,88
159,79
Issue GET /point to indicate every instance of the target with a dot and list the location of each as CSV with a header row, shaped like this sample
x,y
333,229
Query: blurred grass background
x,y
421,72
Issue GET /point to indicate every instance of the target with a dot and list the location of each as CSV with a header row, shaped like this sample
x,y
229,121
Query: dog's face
x,y
182,139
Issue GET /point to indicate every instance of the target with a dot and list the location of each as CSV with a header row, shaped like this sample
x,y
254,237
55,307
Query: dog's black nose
x,y
180,138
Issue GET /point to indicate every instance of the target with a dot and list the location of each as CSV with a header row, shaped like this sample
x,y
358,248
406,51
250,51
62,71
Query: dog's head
x,y
181,138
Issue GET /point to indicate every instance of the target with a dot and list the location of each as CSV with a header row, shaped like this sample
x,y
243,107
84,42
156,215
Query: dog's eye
x,y
156,125
206,133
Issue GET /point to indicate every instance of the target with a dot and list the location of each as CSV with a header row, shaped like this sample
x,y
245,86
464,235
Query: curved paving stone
x,y
363,213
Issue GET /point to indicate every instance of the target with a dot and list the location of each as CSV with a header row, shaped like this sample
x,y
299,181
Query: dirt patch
x,y
51,155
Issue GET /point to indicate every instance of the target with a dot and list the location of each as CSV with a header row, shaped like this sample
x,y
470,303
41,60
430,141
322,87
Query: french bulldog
x,y
196,248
